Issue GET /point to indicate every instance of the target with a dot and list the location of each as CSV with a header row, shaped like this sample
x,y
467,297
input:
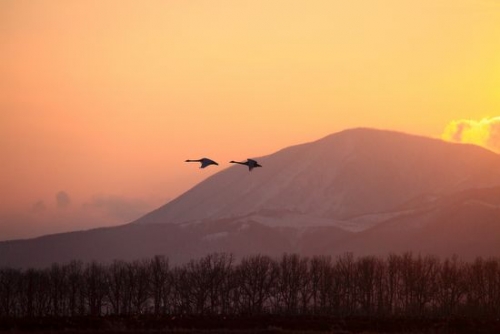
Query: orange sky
x,y
102,101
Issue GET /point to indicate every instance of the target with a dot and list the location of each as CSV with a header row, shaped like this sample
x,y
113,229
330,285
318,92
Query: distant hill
x,y
361,190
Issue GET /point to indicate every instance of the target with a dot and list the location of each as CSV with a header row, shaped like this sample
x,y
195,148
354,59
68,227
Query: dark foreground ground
x,y
248,325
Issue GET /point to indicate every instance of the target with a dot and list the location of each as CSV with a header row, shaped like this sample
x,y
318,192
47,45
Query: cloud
x,y
63,200
121,208
485,132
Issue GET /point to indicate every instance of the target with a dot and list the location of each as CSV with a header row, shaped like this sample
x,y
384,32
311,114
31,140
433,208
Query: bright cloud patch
x,y
485,132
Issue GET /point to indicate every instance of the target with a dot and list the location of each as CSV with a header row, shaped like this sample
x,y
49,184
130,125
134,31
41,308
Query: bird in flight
x,y
250,163
204,162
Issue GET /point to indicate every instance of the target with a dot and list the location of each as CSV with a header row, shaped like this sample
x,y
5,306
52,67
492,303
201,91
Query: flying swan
x,y
204,162
250,163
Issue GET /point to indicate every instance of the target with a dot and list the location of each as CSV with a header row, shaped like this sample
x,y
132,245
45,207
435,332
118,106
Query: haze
x,y
102,101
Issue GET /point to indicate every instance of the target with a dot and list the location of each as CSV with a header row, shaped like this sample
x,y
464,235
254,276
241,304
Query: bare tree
x,y
418,282
9,297
292,273
255,278
215,268
451,285
76,304
27,286
159,283
492,279
392,301
42,293
185,298
400,285
116,275
58,289
95,287
345,282
139,273
368,273
322,282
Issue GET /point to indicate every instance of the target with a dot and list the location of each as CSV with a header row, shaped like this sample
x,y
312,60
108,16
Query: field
x,y
250,324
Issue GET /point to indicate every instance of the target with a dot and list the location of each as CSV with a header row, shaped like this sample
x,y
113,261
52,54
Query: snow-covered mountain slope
x,y
354,180
466,223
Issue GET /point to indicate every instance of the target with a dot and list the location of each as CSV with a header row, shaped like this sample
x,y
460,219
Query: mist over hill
x,y
363,191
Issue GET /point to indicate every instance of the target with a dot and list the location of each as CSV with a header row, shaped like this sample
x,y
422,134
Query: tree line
x,y
405,285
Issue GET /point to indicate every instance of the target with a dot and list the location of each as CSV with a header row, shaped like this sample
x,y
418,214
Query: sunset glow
x,y
485,132
103,101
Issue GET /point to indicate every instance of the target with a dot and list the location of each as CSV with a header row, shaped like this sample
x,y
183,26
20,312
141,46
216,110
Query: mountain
x,y
352,179
362,190
466,223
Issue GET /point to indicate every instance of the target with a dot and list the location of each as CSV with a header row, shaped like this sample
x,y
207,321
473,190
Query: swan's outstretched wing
x,y
207,162
252,164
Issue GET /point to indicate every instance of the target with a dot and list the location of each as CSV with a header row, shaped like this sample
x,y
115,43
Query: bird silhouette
x,y
250,163
204,162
